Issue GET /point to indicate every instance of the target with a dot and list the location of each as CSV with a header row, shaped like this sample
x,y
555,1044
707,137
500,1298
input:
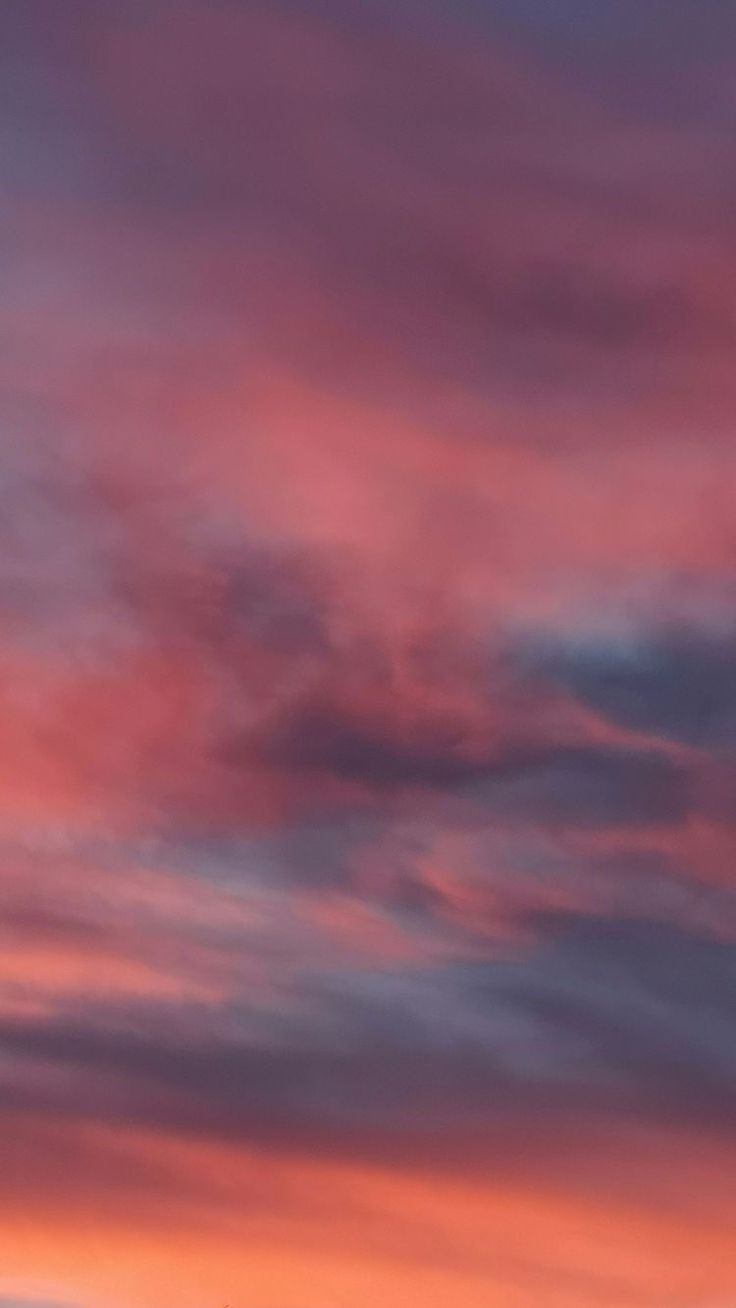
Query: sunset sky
x,y
368,654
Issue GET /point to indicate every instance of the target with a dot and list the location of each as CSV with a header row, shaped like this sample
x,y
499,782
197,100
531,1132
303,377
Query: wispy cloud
x,y
367,659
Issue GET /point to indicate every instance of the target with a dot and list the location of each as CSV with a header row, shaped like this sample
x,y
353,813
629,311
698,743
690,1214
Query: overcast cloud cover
x,y
368,655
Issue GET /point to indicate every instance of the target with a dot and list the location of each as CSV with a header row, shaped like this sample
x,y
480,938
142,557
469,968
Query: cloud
x,y
366,668
678,682
520,780
599,1016
26,1302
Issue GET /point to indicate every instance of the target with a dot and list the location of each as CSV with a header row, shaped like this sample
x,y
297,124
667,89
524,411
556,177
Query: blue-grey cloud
x,y
601,1016
679,683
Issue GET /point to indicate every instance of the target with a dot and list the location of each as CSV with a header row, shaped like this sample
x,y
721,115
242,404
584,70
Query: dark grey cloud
x,y
590,785
601,1016
321,737
679,683
686,29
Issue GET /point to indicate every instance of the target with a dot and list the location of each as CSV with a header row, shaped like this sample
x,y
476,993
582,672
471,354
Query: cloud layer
x,y
368,659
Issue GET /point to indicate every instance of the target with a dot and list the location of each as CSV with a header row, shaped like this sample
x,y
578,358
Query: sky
x,y
367,654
